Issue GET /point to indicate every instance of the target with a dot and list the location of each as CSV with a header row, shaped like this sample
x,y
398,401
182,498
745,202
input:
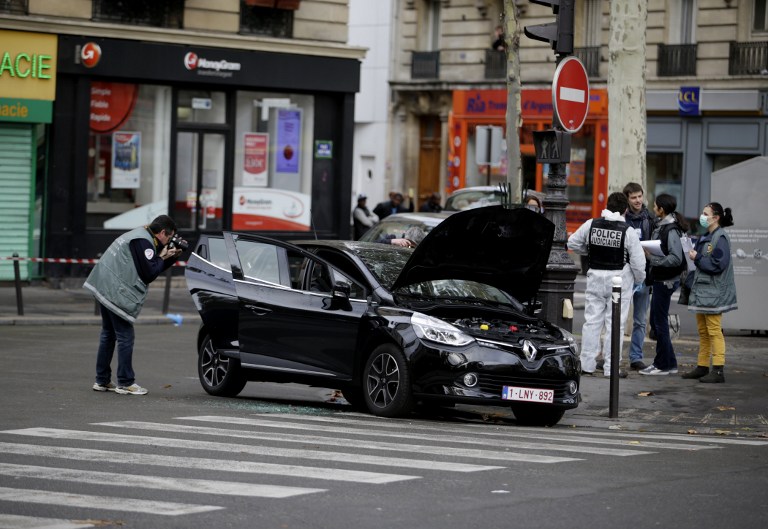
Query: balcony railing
x,y
591,58
154,13
425,65
676,59
495,64
14,7
748,58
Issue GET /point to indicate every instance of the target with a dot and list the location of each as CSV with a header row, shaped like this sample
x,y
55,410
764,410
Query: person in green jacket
x,y
119,282
713,291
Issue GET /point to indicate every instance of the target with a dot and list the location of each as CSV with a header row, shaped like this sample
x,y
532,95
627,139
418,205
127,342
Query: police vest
x,y
664,273
606,244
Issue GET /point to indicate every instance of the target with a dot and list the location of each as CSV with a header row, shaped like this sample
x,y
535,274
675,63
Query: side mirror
x,y
340,296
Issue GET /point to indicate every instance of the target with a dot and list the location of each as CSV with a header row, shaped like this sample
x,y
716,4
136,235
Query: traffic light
x,y
560,33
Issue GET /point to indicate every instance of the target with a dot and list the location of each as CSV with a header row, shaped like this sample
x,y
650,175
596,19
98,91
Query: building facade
x,y
227,114
707,84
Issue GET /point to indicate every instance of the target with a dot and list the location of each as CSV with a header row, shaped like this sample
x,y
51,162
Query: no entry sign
x,y
570,94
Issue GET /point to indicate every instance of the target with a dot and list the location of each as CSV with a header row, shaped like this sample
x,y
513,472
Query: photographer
x,y
119,281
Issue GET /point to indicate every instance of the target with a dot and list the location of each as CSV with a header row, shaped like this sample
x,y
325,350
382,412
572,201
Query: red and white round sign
x,y
570,94
90,54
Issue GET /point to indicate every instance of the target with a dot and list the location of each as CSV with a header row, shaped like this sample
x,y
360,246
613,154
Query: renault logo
x,y
529,349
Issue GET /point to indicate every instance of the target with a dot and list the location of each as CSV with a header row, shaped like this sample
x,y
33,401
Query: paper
x,y
653,247
687,247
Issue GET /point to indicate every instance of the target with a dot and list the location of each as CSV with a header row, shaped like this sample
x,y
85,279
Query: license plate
x,y
527,394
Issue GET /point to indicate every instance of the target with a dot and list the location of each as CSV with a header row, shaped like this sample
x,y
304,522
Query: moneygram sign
x,y
206,67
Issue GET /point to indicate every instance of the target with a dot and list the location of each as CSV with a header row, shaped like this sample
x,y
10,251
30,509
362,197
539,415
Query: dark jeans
x,y
660,299
115,329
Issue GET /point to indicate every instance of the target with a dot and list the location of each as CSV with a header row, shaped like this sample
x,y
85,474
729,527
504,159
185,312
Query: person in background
x,y
713,291
119,282
498,43
363,218
664,278
392,206
614,250
432,204
533,203
639,218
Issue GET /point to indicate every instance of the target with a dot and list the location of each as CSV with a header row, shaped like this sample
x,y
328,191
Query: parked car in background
x,y
444,323
399,223
474,197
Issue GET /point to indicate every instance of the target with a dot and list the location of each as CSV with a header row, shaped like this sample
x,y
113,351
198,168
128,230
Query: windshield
x,y
384,261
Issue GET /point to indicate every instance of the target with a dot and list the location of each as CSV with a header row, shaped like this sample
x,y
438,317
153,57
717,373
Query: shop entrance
x,y
429,157
199,183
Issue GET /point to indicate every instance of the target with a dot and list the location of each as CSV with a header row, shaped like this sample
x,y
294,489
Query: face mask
x,y
704,221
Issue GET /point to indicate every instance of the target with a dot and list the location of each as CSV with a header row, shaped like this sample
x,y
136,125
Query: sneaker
x,y
637,365
104,387
587,373
672,371
653,370
133,389
622,374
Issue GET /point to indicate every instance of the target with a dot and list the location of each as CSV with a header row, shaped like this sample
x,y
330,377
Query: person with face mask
x,y
713,291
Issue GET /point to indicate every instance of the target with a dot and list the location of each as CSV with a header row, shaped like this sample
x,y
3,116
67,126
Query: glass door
x,y
199,181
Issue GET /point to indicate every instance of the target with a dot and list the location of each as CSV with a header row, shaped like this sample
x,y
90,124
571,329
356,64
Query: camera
x,y
177,242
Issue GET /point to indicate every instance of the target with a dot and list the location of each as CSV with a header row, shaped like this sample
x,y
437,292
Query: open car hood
x,y
504,248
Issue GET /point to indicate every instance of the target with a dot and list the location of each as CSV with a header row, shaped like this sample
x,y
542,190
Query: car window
x,y
217,253
259,261
471,200
323,277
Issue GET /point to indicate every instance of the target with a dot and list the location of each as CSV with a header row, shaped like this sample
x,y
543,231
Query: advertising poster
x,y
577,173
126,160
288,144
255,160
270,209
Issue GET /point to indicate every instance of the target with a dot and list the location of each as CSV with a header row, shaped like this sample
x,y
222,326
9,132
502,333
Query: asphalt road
x,y
292,457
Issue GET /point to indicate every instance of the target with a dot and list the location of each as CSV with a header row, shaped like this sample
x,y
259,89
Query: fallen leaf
x,y
616,427
723,432
692,432
168,386
634,442
645,394
725,408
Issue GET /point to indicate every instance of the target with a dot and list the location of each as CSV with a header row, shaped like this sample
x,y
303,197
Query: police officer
x,y
614,250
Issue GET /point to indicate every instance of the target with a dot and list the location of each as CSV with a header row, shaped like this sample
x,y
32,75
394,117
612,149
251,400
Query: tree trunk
x,y
514,121
626,94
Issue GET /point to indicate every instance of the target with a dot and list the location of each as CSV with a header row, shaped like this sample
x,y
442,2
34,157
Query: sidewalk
x,y
646,403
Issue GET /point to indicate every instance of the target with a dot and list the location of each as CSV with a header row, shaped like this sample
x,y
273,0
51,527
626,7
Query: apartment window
x,y
14,7
271,18
433,26
760,20
154,13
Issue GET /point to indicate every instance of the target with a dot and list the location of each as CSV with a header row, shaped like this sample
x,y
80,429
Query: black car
x,y
449,322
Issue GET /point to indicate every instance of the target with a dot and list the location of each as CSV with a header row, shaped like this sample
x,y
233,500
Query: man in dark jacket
x,y
643,221
393,205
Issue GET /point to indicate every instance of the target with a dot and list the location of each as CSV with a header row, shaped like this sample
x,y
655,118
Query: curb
x,y
92,320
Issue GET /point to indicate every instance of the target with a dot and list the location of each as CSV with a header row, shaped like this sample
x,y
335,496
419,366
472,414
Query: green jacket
x,y
115,282
714,288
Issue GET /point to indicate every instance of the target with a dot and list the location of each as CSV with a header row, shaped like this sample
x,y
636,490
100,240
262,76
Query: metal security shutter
x,y
16,196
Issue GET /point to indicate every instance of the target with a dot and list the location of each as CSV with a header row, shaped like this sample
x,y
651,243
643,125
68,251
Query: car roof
x,y
430,219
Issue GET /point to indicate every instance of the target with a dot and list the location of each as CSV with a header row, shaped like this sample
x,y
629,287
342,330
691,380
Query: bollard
x,y
167,293
613,408
17,281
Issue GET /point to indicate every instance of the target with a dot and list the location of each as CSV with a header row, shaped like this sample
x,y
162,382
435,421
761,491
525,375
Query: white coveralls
x,y
598,306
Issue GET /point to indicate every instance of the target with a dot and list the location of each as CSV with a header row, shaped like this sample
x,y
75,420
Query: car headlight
x,y
571,339
434,330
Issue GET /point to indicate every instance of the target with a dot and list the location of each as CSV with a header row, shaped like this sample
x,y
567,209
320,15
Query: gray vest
x,y
714,294
115,282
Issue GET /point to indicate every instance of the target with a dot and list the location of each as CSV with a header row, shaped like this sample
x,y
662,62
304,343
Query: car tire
x,y
537,414
387,382
220,376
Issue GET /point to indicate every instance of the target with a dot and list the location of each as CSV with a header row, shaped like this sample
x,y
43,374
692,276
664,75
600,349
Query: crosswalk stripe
x,y
109,503
201,486
483,430
53,433
12,521
433,437
337,441
92,455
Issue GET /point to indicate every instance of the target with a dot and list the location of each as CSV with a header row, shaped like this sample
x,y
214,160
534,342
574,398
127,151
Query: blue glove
x,y
637,287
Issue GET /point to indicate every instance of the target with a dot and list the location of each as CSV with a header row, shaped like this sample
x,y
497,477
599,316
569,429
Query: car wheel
x,y
387,382
537,414
219,375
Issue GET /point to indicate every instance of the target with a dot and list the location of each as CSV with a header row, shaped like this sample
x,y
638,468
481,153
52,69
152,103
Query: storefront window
x,y
274,148
128,154
580,170
664,174
201,106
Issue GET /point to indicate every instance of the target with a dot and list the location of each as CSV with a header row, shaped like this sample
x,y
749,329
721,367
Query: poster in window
x,y
126,160
577,169
288,144
255,160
